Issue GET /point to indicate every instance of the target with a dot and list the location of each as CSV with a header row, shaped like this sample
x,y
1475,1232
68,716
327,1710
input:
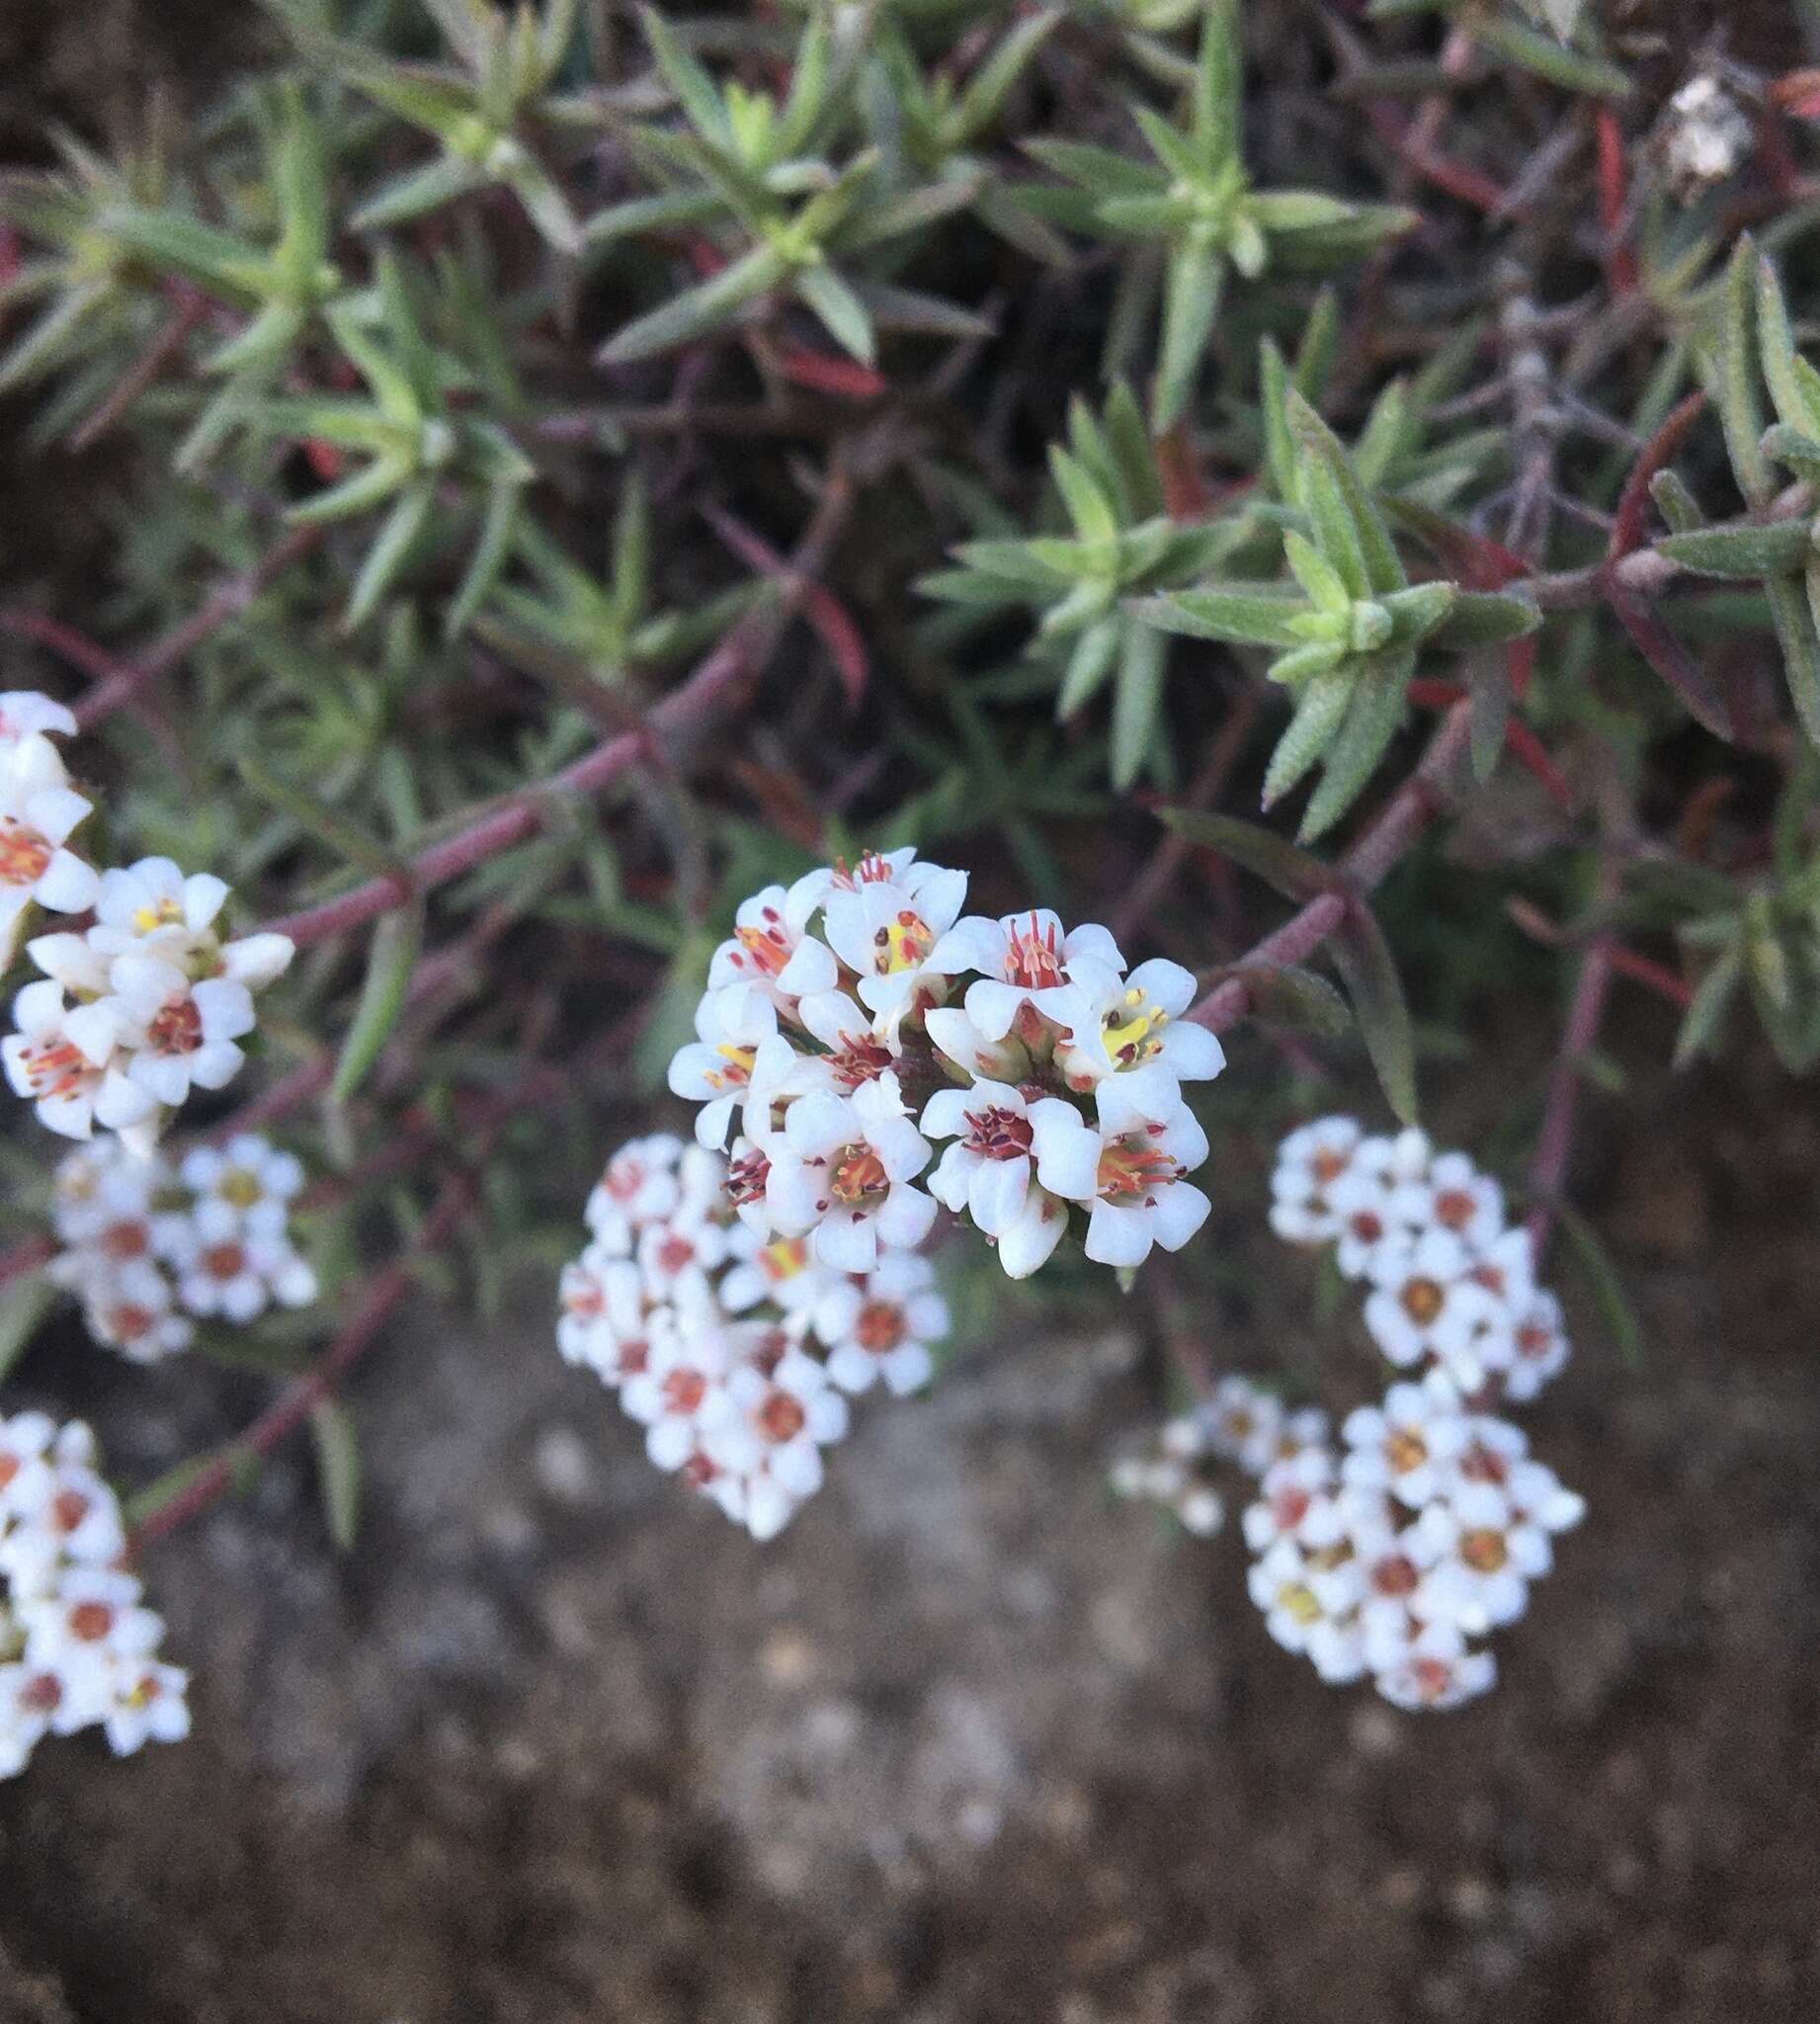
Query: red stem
x,y
1555,1146
288,1413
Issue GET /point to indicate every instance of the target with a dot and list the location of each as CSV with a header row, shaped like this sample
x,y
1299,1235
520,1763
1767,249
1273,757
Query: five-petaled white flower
x,y
715,1068
843,1168
886,931
881,1326
1116,1026
62,1060
38,811
1000,1136
770,948
1016,957
1134,1170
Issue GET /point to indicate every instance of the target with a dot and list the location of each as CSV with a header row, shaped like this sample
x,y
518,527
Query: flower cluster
x,y
144,1004
1171,1471
1451,1286
1421,1535
733,1346
78,1648
148,1248
858,1015
1421,1531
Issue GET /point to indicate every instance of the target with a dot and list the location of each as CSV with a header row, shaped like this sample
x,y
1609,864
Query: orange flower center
x,y
91,1622
1404,1451
1032,961
859,1176
1484,1550
57,1067
1131,1167
24,853
767,945
1422,1301
177,1028
224,1261
782,1417
126,1240
880,1326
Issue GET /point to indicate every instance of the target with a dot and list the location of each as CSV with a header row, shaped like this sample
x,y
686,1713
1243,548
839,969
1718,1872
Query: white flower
x,y
1538,1345
62,1061
1244,1422
132,1309
1284,1586
38,810
145,1704
1308,1163
256,961
716,1067
175,1032
1134,1170
782,1413
1406,1446
1486,1559
675,1256
748,1173
1295,1502
237,1276
1437,1671
90,1614
1000,1137
775,1269
843,1168
1425,1305
639,1185
856,1053
1115,1025
28,1477
603,1319
152,902
681,1389
769,946
1452,1195
885,932
24,711
246,1185
1015,957
882,1327
957,1038
78,1519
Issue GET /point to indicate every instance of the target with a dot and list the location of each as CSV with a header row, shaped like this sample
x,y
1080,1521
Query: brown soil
x,y
969,1742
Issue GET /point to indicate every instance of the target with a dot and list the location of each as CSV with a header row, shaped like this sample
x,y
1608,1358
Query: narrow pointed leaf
x,y
1369,971
391,961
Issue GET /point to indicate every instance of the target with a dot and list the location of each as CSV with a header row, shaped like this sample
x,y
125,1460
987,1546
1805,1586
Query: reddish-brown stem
x,y
524,814
1554,1146
228,600
1409,812
191,308
383,1295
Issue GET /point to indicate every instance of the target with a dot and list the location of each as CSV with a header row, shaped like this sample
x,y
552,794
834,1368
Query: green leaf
x,y
391,960
390,552
1740,410
338,1464
1607,1286
841,310
1742,550
338,833
1290,999
1137,701
698,309
1383,567
23,1303
1676,504
1372,722
488,558
695,89
1546,58
1487,618
1088,506
1219,85
1191,301
1795,621
1087,667
1793,401
1320,710
1369,971
1296,873
1242,613
418,192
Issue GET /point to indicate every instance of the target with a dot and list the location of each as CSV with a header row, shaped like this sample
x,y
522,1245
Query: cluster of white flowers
x,y
1452,1285
147,1247
1171,1470
1424,1528
1423,1534
144,1004
858,1015
78,1648
734,1347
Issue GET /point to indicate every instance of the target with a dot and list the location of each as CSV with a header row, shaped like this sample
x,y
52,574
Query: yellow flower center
x,y
1132,1030
784,1259
738,1071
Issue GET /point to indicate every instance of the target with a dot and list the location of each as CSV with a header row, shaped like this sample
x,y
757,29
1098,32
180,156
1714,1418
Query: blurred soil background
x,y
972,1745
